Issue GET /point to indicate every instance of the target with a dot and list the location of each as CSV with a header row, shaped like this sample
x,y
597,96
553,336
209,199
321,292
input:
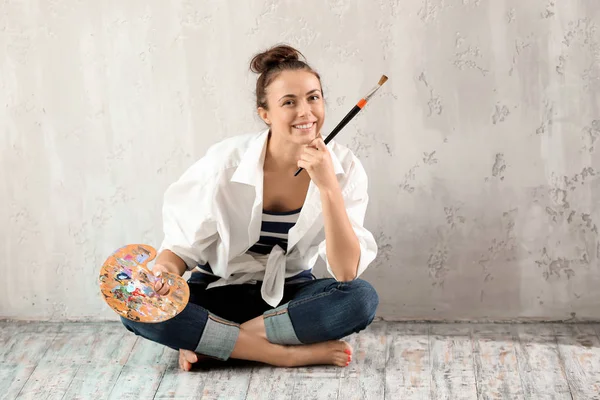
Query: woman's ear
x,y
264,115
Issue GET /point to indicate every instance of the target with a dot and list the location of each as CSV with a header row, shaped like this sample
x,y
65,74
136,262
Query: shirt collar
x,y
249,170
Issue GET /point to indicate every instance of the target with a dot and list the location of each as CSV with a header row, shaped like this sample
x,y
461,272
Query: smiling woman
x,y
251,232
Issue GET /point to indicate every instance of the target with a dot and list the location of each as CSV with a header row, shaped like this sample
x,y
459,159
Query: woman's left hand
x,y
316,160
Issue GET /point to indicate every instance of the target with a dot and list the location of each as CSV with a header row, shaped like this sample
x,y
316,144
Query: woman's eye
x,y
315,97
289,102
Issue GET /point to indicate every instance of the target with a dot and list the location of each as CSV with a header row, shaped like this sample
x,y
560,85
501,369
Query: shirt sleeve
x,y
356,199
188,222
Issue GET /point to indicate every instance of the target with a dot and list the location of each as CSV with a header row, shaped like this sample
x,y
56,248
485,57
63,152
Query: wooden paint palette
x,y
127,286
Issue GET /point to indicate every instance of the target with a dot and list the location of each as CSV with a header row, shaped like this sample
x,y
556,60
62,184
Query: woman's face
x,y
296,108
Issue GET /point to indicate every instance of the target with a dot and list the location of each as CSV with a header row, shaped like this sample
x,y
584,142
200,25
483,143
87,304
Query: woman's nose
x,y
304,108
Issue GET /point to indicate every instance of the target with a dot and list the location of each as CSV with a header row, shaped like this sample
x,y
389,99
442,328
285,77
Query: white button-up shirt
x,y
213,213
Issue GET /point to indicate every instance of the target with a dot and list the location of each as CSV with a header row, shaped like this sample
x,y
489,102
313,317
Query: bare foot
x,y
188,357
334,352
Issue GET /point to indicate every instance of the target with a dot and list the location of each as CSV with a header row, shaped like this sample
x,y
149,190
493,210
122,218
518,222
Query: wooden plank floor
x,y
391,361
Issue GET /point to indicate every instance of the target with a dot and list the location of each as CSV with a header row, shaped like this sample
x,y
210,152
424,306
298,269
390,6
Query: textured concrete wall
x,y
483,148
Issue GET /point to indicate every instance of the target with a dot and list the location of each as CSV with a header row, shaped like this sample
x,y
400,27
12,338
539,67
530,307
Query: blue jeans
x,y
312,311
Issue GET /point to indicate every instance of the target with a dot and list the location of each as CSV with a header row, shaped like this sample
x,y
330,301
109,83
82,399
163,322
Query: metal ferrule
x,y
371,93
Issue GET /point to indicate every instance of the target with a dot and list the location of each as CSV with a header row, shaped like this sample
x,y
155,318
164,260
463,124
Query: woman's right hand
x,y
161,286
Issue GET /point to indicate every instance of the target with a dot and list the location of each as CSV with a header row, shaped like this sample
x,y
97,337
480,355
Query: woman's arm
x,y
172,262
343,247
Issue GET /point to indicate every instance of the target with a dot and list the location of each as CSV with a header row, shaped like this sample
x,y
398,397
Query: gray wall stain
x,y
437,263
429,158
409,177
499,166
549,11
500,114
592,134
547,118
554,267
453,217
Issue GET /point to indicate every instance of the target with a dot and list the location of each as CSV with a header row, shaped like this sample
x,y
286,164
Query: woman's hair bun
x,y
273,57
269,64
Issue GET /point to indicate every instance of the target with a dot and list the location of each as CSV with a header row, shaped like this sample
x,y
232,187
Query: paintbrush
x,y
359,106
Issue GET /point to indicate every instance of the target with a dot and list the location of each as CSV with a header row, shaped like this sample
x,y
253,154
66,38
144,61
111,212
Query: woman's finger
x,y
312,151
304,164
320,144
317,143
314,158
164,291
158,284
307,157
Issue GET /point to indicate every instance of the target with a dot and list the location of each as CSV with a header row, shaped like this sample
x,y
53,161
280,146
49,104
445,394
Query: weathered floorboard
x,y
407,370
542,371
364,378
452,369
496,363
579,349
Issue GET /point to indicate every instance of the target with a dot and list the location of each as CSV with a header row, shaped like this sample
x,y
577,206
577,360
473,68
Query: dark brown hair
x,y
269,64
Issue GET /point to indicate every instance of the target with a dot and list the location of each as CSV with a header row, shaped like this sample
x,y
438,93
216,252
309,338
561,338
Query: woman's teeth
x,y
305,126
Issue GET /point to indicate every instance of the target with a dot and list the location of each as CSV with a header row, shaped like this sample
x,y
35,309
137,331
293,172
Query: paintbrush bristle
x,y
383,80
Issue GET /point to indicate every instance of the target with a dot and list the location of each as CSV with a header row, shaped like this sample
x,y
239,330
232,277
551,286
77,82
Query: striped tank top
x,y
274,231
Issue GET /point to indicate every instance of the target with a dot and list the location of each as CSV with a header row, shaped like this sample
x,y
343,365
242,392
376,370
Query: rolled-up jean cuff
x,y
278,326
218,338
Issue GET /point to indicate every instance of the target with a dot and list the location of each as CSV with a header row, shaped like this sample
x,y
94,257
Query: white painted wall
x,y
483,148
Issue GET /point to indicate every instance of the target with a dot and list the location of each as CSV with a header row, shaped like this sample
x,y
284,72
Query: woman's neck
x,y
281,155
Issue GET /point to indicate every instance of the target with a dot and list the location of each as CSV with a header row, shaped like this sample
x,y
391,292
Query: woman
x,y
253,232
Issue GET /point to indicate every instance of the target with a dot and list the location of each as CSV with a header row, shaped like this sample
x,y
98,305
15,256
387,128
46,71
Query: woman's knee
x,y
342,309
365,301
182,331
151,331
127,325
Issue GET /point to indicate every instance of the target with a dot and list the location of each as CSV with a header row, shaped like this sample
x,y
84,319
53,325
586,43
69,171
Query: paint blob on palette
x,y
127,285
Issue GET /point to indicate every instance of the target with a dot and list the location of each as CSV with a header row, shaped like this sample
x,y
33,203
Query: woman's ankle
x,y
255,326
252,346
